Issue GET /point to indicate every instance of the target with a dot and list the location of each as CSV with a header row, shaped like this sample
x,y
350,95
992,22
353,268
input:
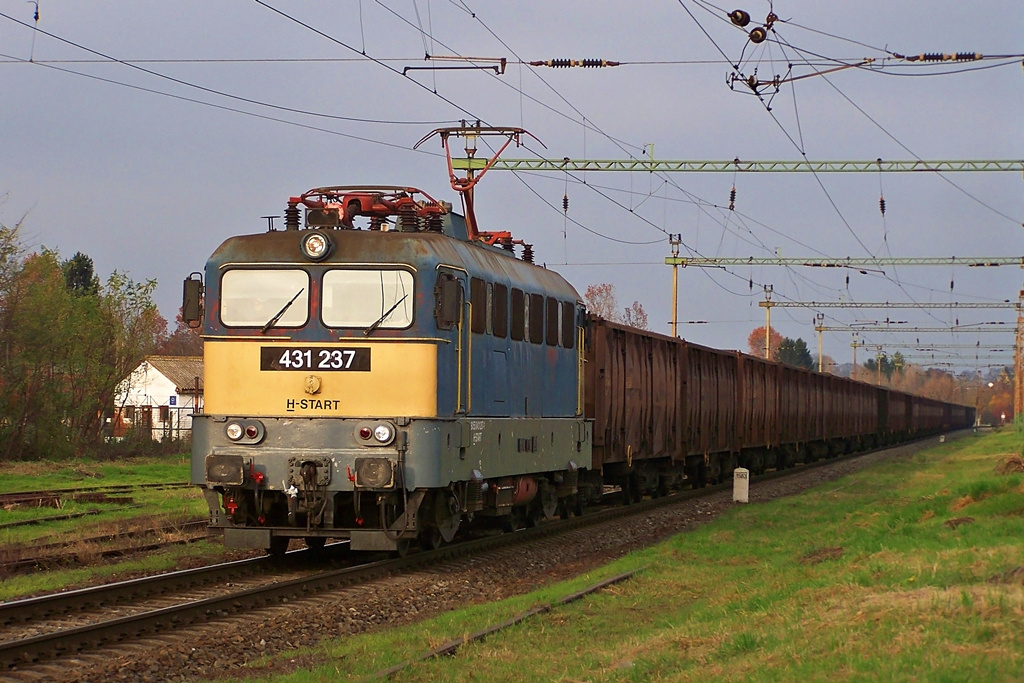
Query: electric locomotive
x,y
378,371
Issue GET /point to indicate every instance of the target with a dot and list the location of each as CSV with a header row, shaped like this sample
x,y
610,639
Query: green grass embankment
x,y
911,570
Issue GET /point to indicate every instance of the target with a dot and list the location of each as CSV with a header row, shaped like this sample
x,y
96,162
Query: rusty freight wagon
x,y
665,410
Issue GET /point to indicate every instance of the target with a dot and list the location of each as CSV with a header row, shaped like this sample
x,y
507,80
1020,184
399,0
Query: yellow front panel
x,y
402,381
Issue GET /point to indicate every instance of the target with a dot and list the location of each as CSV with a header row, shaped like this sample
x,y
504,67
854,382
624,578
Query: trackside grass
x,y
912,570
149,508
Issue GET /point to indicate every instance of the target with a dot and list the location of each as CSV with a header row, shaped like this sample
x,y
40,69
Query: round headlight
x,y
382,433
316,246
234,431
365,433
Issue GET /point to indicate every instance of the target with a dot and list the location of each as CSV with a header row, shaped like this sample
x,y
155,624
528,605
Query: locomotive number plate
x,y
314,358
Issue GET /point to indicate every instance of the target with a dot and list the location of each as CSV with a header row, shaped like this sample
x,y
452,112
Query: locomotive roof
x,y
425,251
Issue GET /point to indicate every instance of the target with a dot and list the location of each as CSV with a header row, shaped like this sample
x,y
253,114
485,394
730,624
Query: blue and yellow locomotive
x,y
377,371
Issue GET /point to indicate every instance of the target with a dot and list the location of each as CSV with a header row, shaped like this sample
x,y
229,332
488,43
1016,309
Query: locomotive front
x,y
338,380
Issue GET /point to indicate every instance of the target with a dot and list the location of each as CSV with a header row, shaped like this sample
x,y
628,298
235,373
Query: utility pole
x,y
819,321
767,304
675,241
1018,367
879,355
856,343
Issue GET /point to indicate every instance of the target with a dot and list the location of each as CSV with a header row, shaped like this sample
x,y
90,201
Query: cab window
x,y
252,298
364,297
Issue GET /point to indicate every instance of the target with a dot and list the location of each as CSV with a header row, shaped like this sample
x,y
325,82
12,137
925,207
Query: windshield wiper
x,y
369,330
273,321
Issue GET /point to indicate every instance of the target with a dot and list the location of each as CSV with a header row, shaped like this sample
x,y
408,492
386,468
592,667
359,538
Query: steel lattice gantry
x,y
817,262
737,165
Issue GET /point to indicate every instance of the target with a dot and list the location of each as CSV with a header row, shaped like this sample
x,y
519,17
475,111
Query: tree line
x,y
66,340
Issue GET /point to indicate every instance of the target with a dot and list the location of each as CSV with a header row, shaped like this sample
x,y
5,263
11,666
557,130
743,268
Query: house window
x,y
165,413
129,412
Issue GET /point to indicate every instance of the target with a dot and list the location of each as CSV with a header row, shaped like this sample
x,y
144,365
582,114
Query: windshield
x,y
368,298
250,298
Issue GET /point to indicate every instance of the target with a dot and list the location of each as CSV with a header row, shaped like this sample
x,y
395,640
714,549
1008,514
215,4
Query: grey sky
x,y
150,184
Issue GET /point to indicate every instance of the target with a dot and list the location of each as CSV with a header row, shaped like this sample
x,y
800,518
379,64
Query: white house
x,y
160,395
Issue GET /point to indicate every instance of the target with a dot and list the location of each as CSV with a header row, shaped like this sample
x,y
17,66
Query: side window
x,y
551,321
478,299
489,323
568,325
518,314
447,301
500,315
536,318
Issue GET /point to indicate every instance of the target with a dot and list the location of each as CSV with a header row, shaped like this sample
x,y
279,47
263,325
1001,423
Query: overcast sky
x,y
217,112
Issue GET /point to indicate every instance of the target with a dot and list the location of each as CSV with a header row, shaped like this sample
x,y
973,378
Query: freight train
x,y
382,372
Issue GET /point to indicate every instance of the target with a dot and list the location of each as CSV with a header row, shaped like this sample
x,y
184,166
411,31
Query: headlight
x,y
379,433
316,246
383,433
245,431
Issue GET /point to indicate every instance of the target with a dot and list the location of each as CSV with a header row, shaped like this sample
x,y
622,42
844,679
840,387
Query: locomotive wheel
x,y
447,516
430,538
278,546
315,543
514,521
404,546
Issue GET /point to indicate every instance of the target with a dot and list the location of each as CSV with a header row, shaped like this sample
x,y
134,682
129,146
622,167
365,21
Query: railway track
x,y
63,554
151,617
91,494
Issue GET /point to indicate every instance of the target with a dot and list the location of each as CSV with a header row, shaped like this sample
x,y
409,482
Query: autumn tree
x,y
184,341
601,301
635,316
755,342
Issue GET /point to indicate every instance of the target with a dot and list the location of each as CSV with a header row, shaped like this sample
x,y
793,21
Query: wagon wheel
x,y
403,546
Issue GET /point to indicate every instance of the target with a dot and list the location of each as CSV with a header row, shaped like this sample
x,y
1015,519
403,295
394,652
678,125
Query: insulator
x,y
291,216
408,221
931,57
881,205
758,35
435,223
967,56
567,63
847,280
732,198
565,203
951,285
739,17
528,253
507,245
751,284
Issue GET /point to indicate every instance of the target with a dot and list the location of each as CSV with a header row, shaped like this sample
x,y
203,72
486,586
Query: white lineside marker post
x,y
740,485
942,438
